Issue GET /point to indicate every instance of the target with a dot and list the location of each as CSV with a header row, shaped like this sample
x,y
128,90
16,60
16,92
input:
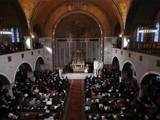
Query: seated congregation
x,y
43,97
115,97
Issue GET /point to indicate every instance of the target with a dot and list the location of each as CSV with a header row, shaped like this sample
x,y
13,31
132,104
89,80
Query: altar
x,y
77,76
78,62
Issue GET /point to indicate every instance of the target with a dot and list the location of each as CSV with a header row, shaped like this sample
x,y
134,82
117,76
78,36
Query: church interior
x,y
80,59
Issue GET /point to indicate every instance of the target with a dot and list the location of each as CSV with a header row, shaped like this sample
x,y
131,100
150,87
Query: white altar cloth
x,y
76,76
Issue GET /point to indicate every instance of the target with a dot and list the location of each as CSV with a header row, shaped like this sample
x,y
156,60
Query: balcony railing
x,y
152,48
16,47
13,57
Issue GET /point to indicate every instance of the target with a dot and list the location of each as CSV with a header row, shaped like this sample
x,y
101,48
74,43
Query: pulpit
x,y
78,61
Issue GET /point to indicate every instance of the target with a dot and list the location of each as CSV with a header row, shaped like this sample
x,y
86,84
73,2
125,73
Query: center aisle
x,y
75,108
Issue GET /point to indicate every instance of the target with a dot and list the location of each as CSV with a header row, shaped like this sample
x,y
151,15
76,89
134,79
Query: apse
x,y
78,25
77,39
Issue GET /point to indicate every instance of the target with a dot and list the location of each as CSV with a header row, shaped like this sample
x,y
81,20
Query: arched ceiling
x,y
39,11
78,26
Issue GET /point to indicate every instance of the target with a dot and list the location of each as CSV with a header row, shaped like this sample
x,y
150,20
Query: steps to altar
x,y
77,76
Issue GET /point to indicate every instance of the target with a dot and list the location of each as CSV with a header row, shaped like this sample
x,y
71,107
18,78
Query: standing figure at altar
x,y
86,68
60,71
98,65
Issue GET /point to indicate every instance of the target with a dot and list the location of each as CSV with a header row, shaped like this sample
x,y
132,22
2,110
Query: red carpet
x,y
75,100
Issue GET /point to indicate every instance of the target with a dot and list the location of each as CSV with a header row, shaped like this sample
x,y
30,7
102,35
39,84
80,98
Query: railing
x,y
151,48
16,47
147,48
77,39
13,57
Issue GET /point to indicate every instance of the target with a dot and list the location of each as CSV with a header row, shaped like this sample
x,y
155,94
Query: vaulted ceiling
x,y
113,16
40,11
43,7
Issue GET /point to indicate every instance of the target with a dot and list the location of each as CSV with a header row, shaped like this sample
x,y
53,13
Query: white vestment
x,y
98,65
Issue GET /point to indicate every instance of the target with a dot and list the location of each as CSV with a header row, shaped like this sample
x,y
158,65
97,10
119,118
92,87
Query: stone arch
x,y
90,10
5,85
115,63
23,66
128,65
39,61
147,73
150,87
23,77
82,12
3,80
128,76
